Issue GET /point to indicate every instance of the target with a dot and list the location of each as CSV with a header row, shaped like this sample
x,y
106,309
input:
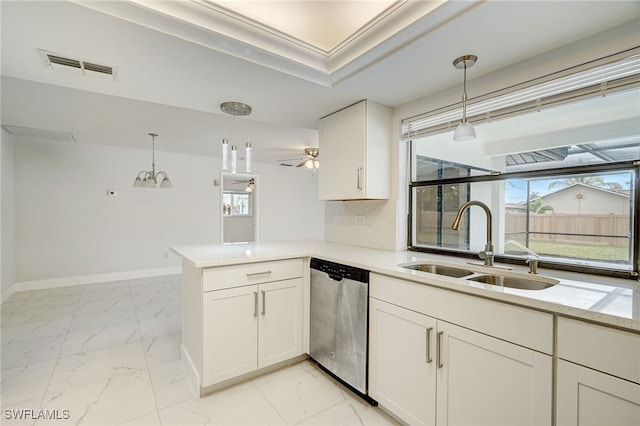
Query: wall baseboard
x,y
86,279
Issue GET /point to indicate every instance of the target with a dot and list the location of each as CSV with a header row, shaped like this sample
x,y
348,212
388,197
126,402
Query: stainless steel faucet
x,y
487,254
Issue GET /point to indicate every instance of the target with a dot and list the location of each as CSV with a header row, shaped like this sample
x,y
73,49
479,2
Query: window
x,y
236,204
584,217
561,181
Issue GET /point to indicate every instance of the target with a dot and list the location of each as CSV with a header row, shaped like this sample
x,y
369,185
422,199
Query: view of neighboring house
x,y
581,198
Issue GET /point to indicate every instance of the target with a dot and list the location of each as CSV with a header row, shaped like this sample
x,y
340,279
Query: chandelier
x,y
235,109
149,179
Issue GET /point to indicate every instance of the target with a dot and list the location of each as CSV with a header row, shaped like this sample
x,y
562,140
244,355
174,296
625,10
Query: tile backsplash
x,y
364,223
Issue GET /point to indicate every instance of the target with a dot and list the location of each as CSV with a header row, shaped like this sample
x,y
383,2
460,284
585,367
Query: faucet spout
x,y
487,254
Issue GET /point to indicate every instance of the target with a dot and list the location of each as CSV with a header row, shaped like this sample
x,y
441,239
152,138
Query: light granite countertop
x,y
609,301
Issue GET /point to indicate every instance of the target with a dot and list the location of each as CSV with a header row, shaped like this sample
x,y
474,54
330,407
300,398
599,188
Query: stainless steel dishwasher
x,y
339,315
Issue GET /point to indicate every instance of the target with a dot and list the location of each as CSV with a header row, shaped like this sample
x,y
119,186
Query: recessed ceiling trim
x,y
212,26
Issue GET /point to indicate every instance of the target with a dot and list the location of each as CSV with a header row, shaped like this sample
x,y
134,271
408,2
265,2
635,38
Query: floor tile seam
x,y
59,353
323,411
268,400
146,360
140,416
94,299
10,314
39,322
76,329
79,385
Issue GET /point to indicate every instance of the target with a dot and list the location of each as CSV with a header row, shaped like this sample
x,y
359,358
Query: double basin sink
x,y
511,280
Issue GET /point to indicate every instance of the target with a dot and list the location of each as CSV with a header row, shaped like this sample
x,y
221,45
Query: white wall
x,y
67,226
7,212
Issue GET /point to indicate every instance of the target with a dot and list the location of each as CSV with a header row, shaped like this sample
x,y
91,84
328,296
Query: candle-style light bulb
x,y
248,157
225,154
234,158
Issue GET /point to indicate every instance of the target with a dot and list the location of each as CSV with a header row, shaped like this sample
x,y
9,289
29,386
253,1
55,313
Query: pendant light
x,y
235,109
464,131
149,179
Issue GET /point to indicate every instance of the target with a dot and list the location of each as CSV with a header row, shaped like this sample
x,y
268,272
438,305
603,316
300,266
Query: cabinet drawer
x,y
250,273
605,349
522,326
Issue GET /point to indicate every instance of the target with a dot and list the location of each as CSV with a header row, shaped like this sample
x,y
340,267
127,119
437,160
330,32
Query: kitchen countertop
x,y
609,301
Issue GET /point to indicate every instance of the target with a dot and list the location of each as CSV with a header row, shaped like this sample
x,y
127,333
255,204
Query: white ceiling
x,y
306,20
177,61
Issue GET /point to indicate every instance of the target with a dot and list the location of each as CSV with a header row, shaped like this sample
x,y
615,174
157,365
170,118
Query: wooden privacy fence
x,y
559,227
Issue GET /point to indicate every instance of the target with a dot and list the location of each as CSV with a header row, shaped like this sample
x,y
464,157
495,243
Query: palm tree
x,y
597,181
536,204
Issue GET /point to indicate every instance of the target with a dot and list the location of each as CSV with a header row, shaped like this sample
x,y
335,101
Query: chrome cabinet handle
x,y
257,274
264,298
439,350
429,330
255,303
358,184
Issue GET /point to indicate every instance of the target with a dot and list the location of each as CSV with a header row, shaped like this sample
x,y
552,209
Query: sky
x,y
516,189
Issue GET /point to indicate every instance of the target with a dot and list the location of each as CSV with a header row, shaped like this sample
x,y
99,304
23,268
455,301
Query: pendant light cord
x,y
464,95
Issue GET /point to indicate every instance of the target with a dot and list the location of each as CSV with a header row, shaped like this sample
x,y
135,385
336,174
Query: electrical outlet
x,y
336,221
360,221
166,255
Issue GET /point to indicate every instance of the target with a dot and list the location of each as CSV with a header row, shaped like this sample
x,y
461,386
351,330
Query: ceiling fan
x,y
309,160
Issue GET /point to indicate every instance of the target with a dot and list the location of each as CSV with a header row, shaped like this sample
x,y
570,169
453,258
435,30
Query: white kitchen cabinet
x,y
598,375
280,321
427,371
482,380
355,146
402,367
251,327
230,333
240,319
589,397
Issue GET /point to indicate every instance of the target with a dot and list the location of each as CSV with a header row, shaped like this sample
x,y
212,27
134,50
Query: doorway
x,y
239,208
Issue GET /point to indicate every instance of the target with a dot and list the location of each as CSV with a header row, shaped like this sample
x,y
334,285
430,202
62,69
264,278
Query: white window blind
x,y
598,78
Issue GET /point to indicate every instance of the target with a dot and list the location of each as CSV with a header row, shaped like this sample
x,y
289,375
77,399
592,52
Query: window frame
x,y
546,263
233,195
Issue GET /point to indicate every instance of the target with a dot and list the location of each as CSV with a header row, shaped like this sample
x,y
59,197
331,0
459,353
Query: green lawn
x,y
548,248
580,251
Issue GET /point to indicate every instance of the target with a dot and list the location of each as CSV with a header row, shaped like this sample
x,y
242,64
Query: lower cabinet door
x,y
482,380
589,397
402,362
230,327
280,324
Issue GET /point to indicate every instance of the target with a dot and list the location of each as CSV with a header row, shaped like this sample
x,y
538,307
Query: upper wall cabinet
x,y
355,149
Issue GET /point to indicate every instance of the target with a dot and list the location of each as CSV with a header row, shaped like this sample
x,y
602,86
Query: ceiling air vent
x,y
30,132
59,61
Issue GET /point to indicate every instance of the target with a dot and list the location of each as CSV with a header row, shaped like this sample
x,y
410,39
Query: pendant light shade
x,y
465,130
149,179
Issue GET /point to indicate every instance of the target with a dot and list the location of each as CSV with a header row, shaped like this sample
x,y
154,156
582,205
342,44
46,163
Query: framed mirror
x,y
239,204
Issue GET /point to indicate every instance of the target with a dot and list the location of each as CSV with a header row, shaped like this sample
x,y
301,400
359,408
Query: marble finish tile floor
x,y
108,354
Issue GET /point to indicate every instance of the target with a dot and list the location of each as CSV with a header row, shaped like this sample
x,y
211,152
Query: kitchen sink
x,y
515,282
439,270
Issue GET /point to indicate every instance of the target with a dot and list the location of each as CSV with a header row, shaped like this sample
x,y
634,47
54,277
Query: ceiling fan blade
x,y
290,159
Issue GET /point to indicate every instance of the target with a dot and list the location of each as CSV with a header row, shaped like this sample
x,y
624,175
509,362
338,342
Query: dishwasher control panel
x,y
342,271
